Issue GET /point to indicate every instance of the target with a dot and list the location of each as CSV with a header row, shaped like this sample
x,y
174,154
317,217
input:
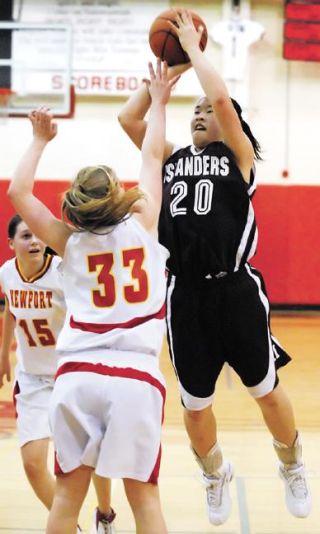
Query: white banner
x,y
110,42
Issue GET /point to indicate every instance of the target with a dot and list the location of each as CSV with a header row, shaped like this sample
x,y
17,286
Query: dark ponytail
x,y
13,225
247,130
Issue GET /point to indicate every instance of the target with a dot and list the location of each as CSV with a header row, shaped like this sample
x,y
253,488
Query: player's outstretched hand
x,y
43,126
160,86
184,27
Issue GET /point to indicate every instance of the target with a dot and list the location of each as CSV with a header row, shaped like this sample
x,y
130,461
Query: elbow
x,y
126,121
11,192
14,193
222,101
122,120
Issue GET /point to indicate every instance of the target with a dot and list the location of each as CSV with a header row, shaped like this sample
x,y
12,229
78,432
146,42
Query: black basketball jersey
x,y
207,220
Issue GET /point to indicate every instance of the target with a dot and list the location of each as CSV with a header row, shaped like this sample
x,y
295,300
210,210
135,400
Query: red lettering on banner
x,y
123,83
81,82
120,83
108,83
96,84
57,82
133,83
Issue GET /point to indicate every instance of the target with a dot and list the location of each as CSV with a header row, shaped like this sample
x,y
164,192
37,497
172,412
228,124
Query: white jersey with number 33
x,y
115,289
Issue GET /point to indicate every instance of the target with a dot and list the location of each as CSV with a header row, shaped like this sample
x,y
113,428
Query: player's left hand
x,y
43,126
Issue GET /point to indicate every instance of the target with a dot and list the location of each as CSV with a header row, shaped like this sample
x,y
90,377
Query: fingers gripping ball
x,y
165,43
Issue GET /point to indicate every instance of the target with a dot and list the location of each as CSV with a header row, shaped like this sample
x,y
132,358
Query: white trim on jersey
x,y
244,239
193,149
253,246
276,342
197,151
267,384
170,340
253,185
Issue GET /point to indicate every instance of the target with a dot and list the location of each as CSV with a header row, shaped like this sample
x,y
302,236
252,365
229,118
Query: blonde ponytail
x,y
96,199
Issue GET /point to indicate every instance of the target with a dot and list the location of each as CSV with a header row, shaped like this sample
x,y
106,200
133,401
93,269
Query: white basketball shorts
x,y
31,397
108,418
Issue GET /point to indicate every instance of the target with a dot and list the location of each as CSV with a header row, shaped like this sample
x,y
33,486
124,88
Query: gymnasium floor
x,y
257,492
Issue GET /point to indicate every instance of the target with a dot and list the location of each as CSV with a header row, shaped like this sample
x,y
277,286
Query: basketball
x,y
165,44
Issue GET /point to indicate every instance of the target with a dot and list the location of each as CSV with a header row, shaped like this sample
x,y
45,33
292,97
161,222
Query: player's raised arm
x,y
36,215
153,145
216,91
132,115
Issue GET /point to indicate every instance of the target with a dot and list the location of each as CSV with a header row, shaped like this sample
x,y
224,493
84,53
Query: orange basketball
x,y
165,43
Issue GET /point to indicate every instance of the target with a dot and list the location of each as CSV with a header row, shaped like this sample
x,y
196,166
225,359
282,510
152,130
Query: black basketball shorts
x,y
218,320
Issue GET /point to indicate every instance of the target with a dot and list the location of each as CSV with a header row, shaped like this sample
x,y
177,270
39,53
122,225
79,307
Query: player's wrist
x,y
193,50
39,142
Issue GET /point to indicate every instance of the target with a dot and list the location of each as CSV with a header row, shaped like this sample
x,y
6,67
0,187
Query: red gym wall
x,y
289,247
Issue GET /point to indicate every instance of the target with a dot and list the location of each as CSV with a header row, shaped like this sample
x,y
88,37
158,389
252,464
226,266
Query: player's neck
x,y
31,268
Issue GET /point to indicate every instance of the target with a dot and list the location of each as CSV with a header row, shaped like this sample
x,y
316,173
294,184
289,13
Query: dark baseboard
x,y
295,307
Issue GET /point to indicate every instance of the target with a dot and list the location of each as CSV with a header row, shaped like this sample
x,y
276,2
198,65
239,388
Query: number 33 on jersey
x,y
120,298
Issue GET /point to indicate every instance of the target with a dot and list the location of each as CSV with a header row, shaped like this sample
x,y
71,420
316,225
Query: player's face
x,y
26,245
204,125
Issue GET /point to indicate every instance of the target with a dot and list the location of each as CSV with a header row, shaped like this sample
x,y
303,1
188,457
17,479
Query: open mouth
x,y
199,128
34,251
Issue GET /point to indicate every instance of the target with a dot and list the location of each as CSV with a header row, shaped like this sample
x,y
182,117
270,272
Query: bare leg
x,y
144,500
35,456
202,430
103,491
71,490
278,415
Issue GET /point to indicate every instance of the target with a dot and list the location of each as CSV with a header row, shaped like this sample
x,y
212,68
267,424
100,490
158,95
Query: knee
x,y
33,468
141,495
197,416
34,463
136,500
269,401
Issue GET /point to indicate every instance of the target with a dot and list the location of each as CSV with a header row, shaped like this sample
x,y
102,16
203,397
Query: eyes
x,y
207,111
26,236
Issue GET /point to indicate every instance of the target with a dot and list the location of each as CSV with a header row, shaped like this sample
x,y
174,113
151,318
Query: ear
x,y
10,243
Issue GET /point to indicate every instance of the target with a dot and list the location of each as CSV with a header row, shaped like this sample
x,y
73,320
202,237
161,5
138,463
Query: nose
x,y
34,239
